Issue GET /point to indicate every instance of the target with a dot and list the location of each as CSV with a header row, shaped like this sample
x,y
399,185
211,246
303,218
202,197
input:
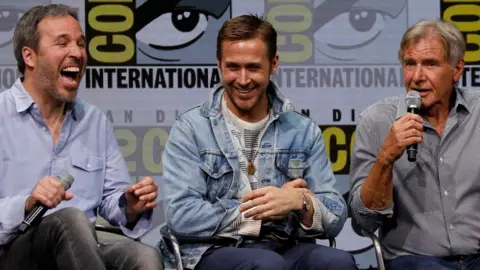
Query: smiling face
x,y
59,62
246,70
426,70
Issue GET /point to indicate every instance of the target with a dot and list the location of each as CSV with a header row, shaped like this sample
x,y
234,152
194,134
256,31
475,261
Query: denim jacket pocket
x,y
219,173
88,171
291,164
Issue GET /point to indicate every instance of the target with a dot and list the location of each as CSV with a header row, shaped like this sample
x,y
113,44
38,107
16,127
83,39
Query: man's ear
x,y
29,57
275,63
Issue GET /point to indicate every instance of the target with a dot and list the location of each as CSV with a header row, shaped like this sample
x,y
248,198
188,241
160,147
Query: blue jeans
x,y
66,239
470,262
277,256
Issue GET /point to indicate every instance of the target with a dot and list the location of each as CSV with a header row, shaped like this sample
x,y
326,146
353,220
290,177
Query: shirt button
x,y
88,166
441,159
451,226
446,193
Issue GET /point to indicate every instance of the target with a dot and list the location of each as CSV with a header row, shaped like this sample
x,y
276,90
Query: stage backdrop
x,y
150,60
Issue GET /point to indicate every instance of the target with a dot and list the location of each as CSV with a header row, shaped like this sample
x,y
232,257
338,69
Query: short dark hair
x,y
26,30
246,27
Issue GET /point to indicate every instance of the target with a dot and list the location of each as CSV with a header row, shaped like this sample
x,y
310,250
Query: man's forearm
x,y
377,190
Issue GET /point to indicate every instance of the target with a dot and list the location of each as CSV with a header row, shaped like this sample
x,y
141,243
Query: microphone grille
x,y
66,179
413,99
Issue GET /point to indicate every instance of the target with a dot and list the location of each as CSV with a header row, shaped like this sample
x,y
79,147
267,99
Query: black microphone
x,y
413,101
37,213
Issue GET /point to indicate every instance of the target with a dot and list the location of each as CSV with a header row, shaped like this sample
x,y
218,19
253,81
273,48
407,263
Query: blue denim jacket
x,y
202,172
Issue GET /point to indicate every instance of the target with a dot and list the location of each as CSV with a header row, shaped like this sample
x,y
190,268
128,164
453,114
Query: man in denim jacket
x,y
245,165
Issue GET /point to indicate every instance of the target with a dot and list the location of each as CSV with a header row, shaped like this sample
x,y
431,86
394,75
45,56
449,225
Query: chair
x,y
108,229
376,245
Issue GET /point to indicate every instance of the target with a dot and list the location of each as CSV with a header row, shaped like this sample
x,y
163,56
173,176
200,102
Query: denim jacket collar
x,y
280,104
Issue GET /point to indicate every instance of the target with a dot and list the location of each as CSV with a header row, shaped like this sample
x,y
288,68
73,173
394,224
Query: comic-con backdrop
x,y
150,60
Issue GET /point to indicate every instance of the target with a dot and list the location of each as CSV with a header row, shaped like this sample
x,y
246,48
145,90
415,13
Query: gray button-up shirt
x,y
435,199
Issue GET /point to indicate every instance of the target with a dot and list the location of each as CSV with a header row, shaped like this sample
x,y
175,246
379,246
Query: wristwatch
x,y
306,205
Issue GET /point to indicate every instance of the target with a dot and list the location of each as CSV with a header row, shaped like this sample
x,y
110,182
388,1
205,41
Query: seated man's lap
x,y
67,229
274,255
130,254
470,262
419,262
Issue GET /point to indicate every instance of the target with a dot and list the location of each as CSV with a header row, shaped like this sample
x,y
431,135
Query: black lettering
x,y
300,77
337,115
129,116
171,72
475,77
289,72
147,77
189,78
122,78
202,77
160,116
312,76
160,79
109,72
215,78
133,78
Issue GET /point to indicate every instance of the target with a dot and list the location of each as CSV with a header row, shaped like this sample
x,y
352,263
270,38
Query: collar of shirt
x,y
459,103
24,102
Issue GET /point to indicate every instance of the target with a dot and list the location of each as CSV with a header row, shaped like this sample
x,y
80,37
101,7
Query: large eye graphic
x,y
174,30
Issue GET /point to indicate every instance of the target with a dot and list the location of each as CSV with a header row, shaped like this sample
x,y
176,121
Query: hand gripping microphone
x,y
413,101
37,213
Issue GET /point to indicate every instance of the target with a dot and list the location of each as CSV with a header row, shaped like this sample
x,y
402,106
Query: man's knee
x,y
71,221
70,216
135,255
268,261
331,258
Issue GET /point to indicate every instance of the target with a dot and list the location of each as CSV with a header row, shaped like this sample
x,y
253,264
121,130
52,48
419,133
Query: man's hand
x,y
140,197
48,192
405,131
272,203
298,183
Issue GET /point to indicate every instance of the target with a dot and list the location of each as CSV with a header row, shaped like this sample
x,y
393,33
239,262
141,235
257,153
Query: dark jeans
x,y
470,262
277,256
66,239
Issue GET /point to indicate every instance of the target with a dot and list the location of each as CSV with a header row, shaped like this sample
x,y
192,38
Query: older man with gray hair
x,y
424,207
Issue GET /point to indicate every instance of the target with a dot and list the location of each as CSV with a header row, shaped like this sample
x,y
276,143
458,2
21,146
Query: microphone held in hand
x,y
413,101
37,213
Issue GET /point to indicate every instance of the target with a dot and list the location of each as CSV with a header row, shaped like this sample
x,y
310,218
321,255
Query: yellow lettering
x,y
148,148
129,148
111,57
111,10
340,138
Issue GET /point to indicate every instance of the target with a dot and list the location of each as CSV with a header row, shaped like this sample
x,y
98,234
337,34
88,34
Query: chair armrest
x,y
108,229
172,240
377,246
319,236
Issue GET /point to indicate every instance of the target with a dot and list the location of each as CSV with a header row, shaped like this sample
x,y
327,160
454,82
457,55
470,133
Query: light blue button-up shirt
x,y
86,148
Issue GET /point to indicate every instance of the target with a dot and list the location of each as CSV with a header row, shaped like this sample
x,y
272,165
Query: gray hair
x,y
454,45
26,30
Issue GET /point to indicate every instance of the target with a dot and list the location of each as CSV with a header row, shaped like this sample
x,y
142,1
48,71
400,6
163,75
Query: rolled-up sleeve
x,y
11,216
330,209
364,156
